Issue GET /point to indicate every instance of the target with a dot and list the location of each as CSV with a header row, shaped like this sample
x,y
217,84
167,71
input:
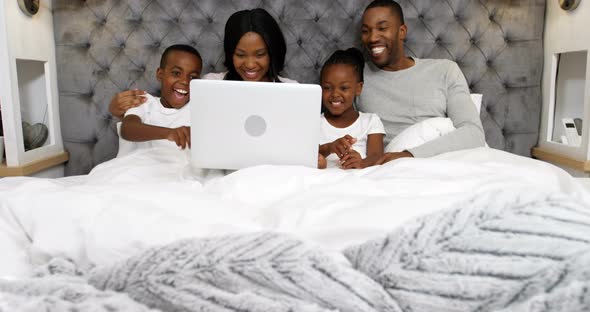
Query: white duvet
x,y
153,197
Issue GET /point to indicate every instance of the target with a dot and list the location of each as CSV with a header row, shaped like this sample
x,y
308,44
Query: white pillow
x,y
426,130
420,133
125,147
476,98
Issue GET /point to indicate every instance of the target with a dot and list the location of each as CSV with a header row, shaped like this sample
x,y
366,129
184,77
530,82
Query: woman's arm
x,y
125,100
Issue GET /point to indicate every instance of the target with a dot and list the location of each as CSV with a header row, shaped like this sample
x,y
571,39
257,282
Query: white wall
x,y
27,38
564,32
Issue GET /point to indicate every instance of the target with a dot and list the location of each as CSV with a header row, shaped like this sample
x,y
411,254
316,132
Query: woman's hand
x,y
125,100
181,136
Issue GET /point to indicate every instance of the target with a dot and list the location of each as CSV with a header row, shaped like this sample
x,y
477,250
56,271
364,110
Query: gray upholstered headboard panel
x,y
105,46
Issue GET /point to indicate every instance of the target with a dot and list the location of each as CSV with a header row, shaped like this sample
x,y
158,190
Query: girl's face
x,y
340,86
251,58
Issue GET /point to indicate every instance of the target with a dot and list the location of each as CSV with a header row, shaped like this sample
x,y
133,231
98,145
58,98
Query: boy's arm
x,y
133,129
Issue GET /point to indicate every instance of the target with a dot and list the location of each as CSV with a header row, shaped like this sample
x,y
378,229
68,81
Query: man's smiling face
x,y
382,34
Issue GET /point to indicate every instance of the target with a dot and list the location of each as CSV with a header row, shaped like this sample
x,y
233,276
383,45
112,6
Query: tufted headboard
x,y
106,46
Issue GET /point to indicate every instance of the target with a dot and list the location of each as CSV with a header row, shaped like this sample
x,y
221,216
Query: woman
x,y
254,48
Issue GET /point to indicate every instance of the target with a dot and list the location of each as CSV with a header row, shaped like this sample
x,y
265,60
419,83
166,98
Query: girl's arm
x,y
353,159
374,149
340,146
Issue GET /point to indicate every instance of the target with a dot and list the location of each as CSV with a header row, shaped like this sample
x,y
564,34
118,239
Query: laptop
x,y
237,124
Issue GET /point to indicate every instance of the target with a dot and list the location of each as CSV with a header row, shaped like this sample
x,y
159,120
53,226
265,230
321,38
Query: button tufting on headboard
x,y
104,47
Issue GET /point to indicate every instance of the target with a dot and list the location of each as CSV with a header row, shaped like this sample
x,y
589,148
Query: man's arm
x,y
461,110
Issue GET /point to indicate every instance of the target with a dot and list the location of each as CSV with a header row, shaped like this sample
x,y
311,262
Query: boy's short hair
x,y
178,47
396,9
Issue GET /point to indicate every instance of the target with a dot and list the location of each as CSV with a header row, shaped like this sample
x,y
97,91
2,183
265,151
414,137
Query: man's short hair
x,y
396,9
178,47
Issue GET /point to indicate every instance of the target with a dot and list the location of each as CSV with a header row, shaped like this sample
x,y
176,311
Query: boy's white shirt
x,y
152,112
365,124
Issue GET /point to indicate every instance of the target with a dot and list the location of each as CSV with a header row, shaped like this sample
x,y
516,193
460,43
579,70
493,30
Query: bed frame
x,y
106,46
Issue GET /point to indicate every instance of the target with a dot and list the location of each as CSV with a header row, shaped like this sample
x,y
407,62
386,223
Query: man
x,y
404,90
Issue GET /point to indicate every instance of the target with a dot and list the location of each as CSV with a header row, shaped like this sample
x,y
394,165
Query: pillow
x,y
426,130
476,98
125,147
420,133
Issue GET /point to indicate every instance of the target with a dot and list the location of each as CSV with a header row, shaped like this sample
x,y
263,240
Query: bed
x,y
486,229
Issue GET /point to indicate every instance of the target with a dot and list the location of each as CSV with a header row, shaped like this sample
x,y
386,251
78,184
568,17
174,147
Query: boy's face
x,y
382,35
340,86
180,68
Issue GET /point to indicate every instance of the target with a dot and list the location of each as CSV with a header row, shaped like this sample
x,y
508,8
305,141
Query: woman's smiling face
x,y
251,58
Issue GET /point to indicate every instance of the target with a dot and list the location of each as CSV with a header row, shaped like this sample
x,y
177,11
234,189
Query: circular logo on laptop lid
x,y
255,126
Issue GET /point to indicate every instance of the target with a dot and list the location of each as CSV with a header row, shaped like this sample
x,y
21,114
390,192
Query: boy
x,y
167,117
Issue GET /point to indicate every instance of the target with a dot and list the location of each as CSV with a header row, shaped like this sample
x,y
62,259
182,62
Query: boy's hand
x,y
125,100
181,136
352,160
342,146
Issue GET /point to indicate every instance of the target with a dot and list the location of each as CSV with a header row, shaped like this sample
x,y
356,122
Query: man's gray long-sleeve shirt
x,y
430,88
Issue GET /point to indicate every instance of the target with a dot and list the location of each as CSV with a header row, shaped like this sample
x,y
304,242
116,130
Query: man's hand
x,y
342,146
387,157
352,160
125,100
181,136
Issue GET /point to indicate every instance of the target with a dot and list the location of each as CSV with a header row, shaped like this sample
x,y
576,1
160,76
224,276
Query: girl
x,y
348,138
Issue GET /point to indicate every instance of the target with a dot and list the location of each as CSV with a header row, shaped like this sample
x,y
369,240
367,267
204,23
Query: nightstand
x,y
29,101
565,122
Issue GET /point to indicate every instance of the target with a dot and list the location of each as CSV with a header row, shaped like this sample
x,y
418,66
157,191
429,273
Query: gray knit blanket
x,y
495,252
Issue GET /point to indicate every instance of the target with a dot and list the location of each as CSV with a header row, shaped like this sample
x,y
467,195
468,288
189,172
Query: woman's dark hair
x,y
261,22
351,56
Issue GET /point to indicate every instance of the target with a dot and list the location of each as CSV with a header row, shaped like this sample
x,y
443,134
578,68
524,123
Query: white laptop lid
x,y
237,124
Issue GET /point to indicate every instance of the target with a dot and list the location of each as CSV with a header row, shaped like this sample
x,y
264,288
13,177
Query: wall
x,y
27,38
564,31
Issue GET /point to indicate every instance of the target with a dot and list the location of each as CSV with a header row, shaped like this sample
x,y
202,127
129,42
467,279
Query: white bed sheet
x,y
152,197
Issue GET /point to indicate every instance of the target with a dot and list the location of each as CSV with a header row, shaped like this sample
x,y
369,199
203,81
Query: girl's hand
x,y
342,146
352,160
181,136
125,100
322,162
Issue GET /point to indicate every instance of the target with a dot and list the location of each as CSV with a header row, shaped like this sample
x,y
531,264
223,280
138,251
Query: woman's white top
x,y
221,76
